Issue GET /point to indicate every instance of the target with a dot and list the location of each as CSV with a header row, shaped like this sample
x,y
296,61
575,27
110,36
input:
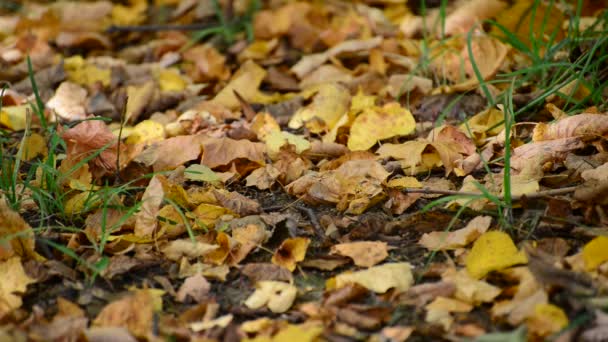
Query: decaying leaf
x,y
458,238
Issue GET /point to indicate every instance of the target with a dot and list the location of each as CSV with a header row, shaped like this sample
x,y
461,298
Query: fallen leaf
x,y
246,81
328,105
13,285
195,287
145,220
135,312
69,101
276,295
290,252
595,252
363,253
176,249
170,153
546,320
378,123
224,151
16,235
458,238
493,251
380,278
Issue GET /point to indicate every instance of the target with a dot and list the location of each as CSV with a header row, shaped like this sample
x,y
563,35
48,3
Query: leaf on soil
x,y
85,73
330,103
263,178
16,235
458,238
146,221
595,252
493,251
581,125
547,320
135,312
356,185
276,295
309,63
275,140
147,131
363,253
201,173
439,311
222,152
220,322
14,117
290,252
14,283
195,287
88,137
380,278
176,249
246,82
69,101
378,123
171,153
470,290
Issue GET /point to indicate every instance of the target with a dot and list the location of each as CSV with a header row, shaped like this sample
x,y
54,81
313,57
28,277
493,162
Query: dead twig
x,y
313,220
161,27
540,194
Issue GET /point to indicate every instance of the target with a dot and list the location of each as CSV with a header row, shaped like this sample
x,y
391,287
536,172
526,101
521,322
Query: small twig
x,y
161,27
313,220
546,193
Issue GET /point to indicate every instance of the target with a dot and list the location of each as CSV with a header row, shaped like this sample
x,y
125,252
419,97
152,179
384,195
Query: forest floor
x,y
303,171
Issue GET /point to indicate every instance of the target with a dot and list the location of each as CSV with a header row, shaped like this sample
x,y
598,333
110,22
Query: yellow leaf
x,y
546,320
171,80
278,296
13,117
34,146
377,123
14,281
329,104
138,97
129,15
484,124
208,214
291,252
81,72
146,131
595,252
380,278
16,235
299,333
275,140
404,182
493,251
246,82
81,201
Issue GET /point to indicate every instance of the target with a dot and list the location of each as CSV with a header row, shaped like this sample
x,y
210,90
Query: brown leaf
x,y
363,253
16,235
171,153
266,271
195,287
135,312
219,152
90,137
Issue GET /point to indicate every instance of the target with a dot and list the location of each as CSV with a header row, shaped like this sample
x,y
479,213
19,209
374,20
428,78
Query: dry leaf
x,y
376,124
290,252
493,251
195,287
135,312
363,253
380,278
458,238
13,285
276,295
